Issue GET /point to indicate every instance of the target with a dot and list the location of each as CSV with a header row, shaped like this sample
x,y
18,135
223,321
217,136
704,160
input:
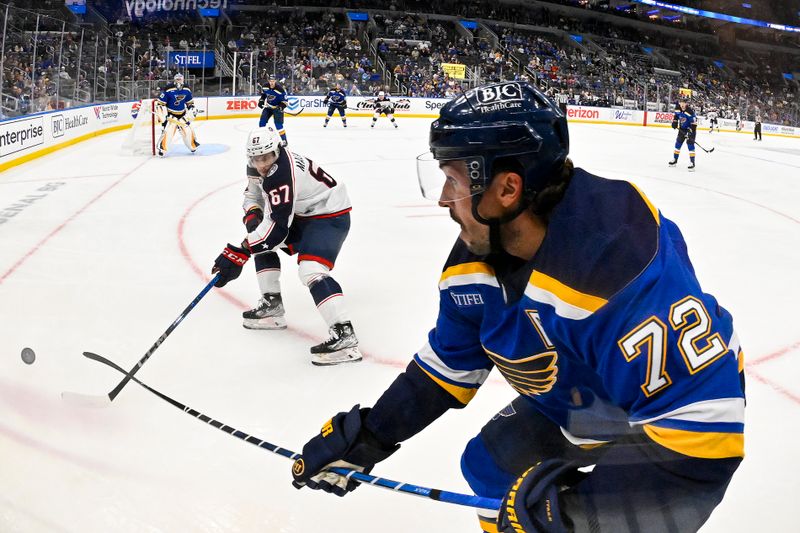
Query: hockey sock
x,y
268,272
327,294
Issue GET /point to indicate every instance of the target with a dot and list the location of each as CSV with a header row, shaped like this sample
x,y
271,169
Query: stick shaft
x,y
128,375
433,494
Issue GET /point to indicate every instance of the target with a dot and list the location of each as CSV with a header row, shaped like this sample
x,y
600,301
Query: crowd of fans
x,y
403,47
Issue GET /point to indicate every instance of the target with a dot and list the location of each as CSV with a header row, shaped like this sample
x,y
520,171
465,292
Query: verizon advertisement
x,y
604,115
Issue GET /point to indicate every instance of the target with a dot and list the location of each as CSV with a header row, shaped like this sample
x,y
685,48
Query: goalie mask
x,y
178,80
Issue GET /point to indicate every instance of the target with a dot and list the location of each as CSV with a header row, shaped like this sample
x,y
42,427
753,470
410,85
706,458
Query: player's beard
x,y
477,244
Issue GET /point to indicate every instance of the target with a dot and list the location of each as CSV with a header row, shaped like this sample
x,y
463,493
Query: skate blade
x,y
347,355
270,322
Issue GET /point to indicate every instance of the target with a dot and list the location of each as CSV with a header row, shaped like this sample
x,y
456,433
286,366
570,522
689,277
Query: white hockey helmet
x,y
178,79
381,93
263,141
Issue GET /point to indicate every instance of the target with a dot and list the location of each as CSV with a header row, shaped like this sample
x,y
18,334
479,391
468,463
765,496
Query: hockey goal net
x,y
141,139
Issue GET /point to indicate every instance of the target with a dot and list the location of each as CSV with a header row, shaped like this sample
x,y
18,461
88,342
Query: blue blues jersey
x,y
606,329
336,98
686,119
273,97
176,100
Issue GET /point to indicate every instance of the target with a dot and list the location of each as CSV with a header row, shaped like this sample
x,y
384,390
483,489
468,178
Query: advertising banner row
x,y
28,137
627,117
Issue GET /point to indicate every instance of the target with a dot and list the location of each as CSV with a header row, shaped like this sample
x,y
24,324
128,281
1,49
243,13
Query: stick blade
x,y
85,400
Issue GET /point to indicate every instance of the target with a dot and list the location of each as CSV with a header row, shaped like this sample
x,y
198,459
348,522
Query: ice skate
x,y
341,347
691,167
673,163
268,314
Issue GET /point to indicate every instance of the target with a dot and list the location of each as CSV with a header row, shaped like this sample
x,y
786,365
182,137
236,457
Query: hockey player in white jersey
x,y
175,111
291,204
383,106
713,121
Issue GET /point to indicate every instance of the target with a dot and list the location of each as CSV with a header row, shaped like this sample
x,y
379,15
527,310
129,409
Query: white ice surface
x,y
107,260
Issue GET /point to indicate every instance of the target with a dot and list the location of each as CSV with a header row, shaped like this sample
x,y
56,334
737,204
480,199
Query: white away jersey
x,y
294,187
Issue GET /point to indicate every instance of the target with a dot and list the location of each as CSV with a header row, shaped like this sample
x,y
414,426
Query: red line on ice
x,y
49,236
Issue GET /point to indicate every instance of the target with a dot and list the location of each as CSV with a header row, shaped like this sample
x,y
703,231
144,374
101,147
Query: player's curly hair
x,y
545,200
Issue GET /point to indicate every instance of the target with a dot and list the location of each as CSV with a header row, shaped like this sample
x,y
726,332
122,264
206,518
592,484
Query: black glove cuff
x,y
367,450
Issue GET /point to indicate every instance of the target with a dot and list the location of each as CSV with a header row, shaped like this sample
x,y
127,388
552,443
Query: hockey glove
x,y
253,218
674,123
531,505
692,135
229,264
343,442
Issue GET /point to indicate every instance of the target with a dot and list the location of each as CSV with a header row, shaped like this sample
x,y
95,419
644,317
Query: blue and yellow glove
x,y
532,505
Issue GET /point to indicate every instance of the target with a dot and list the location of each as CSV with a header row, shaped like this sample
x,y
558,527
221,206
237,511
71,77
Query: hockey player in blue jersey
x,y
273,102
336,100
175,110
581,294
685,121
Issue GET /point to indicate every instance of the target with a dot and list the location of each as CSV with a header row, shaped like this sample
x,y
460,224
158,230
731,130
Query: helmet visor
x,y
447,180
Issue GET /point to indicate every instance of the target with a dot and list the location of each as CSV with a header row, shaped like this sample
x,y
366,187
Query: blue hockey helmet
x,y
501,120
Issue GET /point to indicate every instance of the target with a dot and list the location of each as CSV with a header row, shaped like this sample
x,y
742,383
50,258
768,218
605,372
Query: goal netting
x,y
141,139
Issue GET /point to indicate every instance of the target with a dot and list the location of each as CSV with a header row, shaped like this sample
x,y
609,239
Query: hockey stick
x,y
433,494
101,401
703,149
294,114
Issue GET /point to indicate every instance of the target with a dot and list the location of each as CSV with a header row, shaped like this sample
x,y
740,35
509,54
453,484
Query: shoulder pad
x,y
600,237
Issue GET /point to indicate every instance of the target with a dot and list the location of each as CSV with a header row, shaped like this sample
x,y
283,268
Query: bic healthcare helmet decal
x,y
496,97
294,103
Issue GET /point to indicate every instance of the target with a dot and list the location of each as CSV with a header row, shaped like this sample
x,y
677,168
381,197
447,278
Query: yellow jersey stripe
x,y
740,358
649,204
566,294
488,526
698,444
462,394
467,268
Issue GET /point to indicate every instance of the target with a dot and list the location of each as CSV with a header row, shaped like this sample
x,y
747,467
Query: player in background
x,y
713,121
685,121
738,121
175,110
273,102
291,204
581,294
336,100
757,128
383,106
